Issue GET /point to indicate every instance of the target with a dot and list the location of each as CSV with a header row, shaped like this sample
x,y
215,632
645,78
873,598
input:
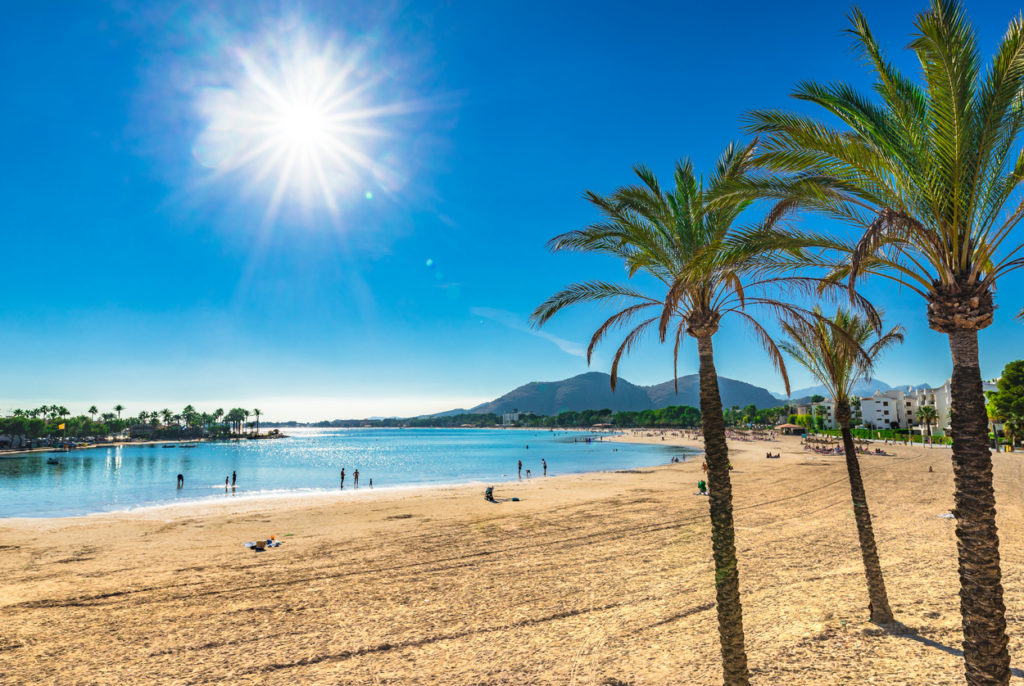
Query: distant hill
x,y
592,391
864,388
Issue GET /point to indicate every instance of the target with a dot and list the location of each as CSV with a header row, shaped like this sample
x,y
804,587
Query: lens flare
x,y
297,122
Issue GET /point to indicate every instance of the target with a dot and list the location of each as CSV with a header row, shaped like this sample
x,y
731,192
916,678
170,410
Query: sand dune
x,y
595,579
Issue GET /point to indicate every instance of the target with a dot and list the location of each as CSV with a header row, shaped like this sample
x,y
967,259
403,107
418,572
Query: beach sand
x,y
602,578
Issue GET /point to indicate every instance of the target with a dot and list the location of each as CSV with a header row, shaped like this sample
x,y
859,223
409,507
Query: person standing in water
x,y
544,463
520,469
343,478
226,480
181,481
234,478
355,478
371,482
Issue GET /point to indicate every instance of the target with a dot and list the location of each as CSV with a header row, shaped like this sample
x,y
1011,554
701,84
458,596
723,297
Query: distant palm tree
x,y
93,411
1013,429
705,270
257,413
118,409
993,417
928,416
839,354
167,416
931,171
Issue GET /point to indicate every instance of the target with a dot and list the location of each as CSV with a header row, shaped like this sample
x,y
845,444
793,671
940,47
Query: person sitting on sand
x,y
702,487
489,494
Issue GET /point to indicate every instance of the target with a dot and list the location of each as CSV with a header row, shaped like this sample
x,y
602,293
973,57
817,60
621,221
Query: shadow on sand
x,y
904,631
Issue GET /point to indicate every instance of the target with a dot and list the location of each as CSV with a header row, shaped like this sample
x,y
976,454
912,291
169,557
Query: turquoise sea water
x,y
309,461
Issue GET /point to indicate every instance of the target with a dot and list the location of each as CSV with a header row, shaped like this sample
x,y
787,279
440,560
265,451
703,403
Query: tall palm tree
x,y
840,353
257,413
928,416
118,409
930,174
93,410
704,272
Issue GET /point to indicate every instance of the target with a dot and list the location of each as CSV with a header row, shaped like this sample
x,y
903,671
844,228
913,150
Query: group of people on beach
x,y
543,462
229,481
355,479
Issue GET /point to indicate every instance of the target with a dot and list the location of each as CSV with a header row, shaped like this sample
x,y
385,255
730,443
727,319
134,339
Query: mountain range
x,y
592,391
863,388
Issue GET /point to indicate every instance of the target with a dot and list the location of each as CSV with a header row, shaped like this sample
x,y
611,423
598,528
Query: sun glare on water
x,y
299,124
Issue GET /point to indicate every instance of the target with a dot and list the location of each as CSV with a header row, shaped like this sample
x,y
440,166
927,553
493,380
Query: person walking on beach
x,y
226,479
705,466
544,463
234,478
371,482
520,469
181,481
355,478
343,478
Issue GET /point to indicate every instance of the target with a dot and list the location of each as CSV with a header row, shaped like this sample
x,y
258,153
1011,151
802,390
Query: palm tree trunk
x,y
981,590
878,599
723,536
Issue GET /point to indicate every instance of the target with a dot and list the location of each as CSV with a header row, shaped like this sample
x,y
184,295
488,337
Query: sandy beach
x,y
600,578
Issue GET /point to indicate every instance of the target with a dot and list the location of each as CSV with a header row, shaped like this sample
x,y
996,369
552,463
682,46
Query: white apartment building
x,y
897,408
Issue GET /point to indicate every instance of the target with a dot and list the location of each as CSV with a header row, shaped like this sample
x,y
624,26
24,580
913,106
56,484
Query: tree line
x,y
47,421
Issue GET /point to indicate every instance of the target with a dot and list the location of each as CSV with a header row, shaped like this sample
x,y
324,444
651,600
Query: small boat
x,y
169,445
52,460
190,445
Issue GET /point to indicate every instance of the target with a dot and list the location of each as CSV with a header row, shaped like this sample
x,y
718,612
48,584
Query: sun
x,y
297,123
304,125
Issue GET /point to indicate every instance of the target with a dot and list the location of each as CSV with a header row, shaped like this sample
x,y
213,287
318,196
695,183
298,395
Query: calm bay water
x,y
309,461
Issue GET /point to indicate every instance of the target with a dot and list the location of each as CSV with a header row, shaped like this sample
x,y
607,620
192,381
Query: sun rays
x,y
297,122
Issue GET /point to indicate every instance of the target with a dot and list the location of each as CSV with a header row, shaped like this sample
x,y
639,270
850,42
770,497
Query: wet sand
x,y
601,578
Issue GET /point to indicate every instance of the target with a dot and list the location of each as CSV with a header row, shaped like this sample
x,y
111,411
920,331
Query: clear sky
x,y
174,231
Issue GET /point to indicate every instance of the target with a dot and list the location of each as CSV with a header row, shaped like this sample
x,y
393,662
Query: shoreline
x,y
303,495
13,454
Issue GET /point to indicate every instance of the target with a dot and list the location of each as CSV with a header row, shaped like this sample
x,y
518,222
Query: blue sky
x,y
138,271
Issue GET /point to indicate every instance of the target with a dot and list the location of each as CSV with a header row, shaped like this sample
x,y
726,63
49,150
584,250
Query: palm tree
x,y
257,413
840,353
993,418
167,416
705,271
929,416
1013,429
93,410
118,409
927,171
